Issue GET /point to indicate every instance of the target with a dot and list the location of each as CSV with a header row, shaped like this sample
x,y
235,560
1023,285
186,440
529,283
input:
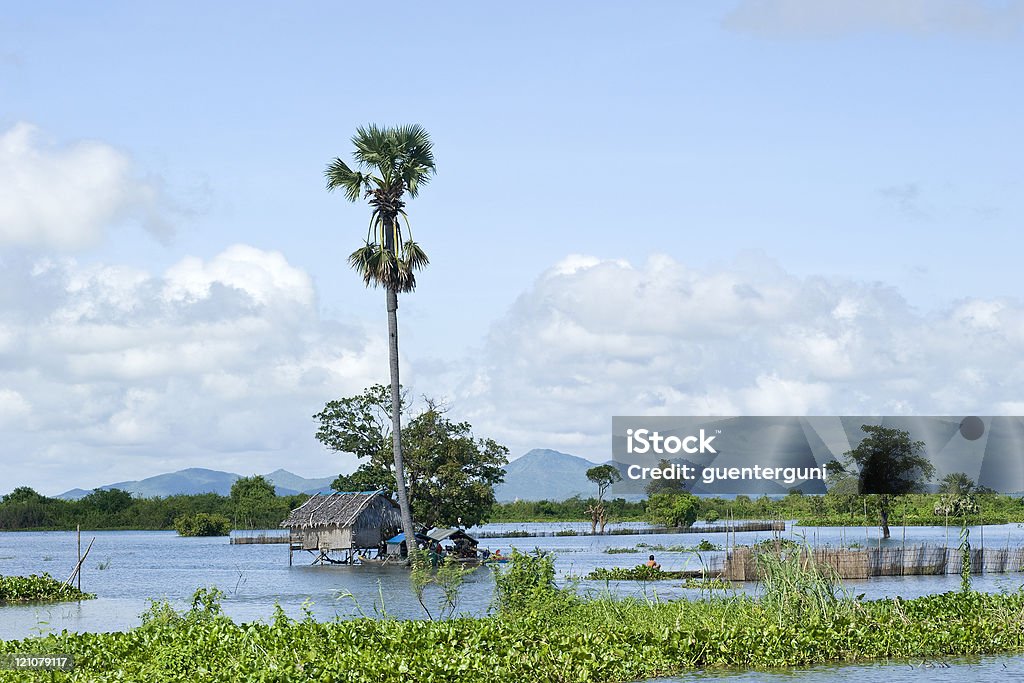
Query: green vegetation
x,y
572,509
251,497
115,509
640,572
451,474
446,576
202,524
704,546
541,632
832,509
26,509
673,509
35,588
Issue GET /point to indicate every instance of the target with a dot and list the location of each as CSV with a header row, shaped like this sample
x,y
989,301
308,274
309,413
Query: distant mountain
x,y
543,474
74,494
198,480
283,479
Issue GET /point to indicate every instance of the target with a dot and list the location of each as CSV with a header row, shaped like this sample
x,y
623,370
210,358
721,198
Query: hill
x,y
546,474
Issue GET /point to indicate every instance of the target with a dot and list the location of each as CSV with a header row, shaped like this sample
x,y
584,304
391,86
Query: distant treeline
x,y
809,510
253,505
250,507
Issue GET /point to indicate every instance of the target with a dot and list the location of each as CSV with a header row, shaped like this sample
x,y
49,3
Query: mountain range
x,y
537,475
198,480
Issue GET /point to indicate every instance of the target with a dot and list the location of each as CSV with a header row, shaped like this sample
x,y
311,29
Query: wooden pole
x,y
903,553
78,567
79,557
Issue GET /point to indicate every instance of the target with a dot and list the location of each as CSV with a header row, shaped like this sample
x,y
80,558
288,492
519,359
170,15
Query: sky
x,y
750,207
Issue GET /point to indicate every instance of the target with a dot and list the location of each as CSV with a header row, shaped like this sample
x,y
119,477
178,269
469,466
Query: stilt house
x,y
349,523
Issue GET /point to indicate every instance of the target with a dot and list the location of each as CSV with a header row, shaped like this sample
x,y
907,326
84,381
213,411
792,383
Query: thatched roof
x,y
335,509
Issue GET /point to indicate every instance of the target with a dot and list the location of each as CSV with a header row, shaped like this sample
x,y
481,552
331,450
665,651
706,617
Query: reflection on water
x,y
143,565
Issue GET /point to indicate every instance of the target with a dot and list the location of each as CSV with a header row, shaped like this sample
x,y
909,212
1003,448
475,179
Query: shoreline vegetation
x,y
539,631
37,588
26,510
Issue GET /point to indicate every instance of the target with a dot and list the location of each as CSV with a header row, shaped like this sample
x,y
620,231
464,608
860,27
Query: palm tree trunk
x,y
396,423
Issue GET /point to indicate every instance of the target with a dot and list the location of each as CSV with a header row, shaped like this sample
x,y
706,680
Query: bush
x,y
202,524
527,584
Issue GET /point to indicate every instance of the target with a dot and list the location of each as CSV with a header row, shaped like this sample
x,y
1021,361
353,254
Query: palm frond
x,y
375,149
339,175
361,261
414,256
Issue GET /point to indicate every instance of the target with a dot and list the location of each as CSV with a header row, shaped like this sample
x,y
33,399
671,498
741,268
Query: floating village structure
x,y
352,524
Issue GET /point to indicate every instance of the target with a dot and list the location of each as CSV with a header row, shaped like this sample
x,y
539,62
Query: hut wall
x,y
329,538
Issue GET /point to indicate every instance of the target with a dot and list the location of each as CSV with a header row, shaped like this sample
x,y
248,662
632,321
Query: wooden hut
x,y
349,523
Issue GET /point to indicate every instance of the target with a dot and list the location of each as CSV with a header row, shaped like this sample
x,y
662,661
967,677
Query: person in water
x,y
652,563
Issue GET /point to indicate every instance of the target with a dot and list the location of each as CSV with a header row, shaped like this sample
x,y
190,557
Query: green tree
x,y
890,465
390,162
108,501
450,473
252,498
362,425
22,494
604,476
673,509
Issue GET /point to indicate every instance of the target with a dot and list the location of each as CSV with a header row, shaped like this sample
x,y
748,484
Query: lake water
x,y
979,670
126,569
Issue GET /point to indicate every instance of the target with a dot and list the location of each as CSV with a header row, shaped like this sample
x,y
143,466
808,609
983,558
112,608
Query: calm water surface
x,y
127,569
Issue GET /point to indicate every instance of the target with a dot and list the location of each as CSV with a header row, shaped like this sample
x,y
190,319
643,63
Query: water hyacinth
x,y
37,588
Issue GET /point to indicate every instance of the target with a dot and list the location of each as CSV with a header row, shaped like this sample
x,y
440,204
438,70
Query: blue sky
x,y
674,207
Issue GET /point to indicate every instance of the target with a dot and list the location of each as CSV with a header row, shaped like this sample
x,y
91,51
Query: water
x,y
145,565
979,670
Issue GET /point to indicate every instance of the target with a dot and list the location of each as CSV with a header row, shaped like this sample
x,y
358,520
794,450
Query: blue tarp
x,y
400,538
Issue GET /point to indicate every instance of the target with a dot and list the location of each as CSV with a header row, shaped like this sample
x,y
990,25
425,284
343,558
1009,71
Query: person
x,y
652,563
497,554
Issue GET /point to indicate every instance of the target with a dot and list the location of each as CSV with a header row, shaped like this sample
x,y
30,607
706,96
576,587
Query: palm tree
x,y
390,162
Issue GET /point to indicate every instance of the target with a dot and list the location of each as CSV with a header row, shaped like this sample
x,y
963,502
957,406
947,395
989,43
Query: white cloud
x,y
221,362
218,363
606,338
13,407
66,197
792,18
